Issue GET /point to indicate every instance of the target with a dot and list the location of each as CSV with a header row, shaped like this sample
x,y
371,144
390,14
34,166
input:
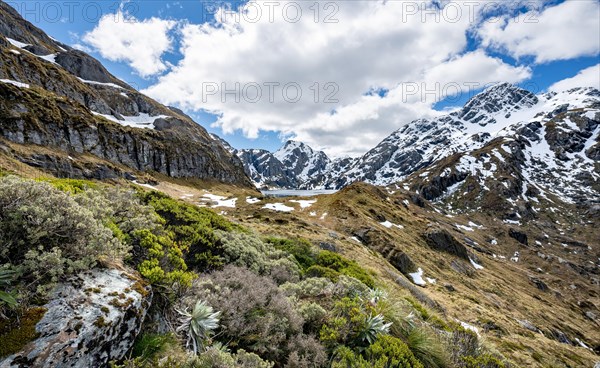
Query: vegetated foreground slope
x,y
318,280
61,110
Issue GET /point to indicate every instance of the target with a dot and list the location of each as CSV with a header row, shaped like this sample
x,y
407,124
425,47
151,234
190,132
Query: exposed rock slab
x,y
90,320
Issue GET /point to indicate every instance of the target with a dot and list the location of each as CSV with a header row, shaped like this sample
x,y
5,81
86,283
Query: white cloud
x,y
80,47
589,77
564,31
140,43
373,44
475,67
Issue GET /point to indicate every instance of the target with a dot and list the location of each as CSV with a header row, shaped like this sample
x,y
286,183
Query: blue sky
x,y
523,44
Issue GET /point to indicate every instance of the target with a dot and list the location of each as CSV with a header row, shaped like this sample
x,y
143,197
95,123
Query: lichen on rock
x,y
82,326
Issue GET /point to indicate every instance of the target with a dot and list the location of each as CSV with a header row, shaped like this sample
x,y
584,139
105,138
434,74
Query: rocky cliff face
x,y
529,165
66,101
90,320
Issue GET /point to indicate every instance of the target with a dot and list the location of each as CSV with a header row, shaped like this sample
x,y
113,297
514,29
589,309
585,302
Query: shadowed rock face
x,y
59,111
442,240
85,324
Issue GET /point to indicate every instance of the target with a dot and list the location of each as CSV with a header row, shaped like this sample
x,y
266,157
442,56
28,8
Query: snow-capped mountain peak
x,y
499,100
302,160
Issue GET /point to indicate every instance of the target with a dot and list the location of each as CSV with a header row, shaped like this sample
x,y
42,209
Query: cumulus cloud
x,y
249,69
140,43
564,31
589,77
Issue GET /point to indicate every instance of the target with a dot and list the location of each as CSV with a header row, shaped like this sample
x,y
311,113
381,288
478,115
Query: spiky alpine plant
x,y
198,325
376,295
6,277
374,326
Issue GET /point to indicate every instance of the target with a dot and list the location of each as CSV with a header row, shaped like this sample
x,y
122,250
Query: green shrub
x,y
147,346
301,249
161,260
72,186
355,324
386,352
248,250
48,234
255,314
482,361
344,266
322,272
389,351
427,348
192,228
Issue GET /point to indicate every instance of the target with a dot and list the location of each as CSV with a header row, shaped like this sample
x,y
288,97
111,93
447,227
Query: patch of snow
x,y
15,83
513,222
17,43
323,216
418,277
226,203
101,84
494,242
430,280
582,344
313,214
280,207
389,225
356,239
475,265
472,224
50,58
142,121
467,326
213,197
304,203
252,200
15,52
144,185
463,227
515,257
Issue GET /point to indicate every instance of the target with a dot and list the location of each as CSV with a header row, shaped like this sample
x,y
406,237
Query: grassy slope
x,y
499,295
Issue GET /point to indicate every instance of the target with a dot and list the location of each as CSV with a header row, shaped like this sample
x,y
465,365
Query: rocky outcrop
x,y
90,320
31,117
53,103
519,236
266,170
440,239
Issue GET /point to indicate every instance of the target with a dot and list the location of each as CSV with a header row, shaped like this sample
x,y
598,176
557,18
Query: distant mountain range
x,y
553,137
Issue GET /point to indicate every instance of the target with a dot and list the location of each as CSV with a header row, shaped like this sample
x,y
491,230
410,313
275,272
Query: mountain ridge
x,y
62,110
501,111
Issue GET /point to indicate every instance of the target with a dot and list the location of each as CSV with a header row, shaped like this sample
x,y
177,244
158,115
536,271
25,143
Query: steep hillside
x,y
59,106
